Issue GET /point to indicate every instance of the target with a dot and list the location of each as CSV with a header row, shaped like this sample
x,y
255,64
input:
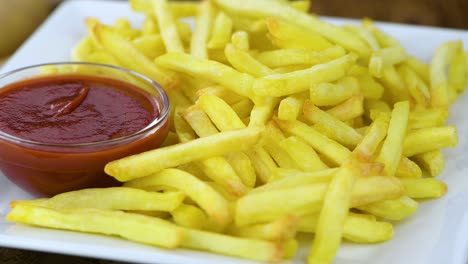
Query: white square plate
x,y
437,233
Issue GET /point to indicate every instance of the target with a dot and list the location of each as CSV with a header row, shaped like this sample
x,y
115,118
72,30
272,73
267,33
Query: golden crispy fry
x,y
215,206
396,209
432,161
365,34
287,57
332,217
221,34
280,230
262,112
394,84
424,188
242,61
408,169
220,113
416,86
85,47
240,40
116,198
125,29
327,94
134,227
298,81
226,76
338,130
419,67
440,86
392,148
349,109
385,57
357,228
199,121
458,72
428,139
183,130
202,30
189,216
263,163
303,154
254,249
369,87
150,45
376,188
374,135
243,167
143,164
227,95
290,108
322,144
167,25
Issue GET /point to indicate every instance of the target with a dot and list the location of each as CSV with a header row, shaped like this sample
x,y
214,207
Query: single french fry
x,y
408,169
199,121
384,39
221,33
303,154
289,36
183,130
332,217
392,147
419,67
202,30
134,227
424,188
432,161
376,188
248,248
372,138
115,198
84,48
167,25
365,34
287,57
416,86
394,84
385,57
339,131
243,167
358,228
150,24
263,111
189,216
458,72
280,230
215,206
439,77
296,178
349,109
240,40
428,118
145,163
370,88
150,45
220,113
322,144
242,61
263,163
290,108
289,83
227,95
428,139
327,94
125,29
240,83
396,209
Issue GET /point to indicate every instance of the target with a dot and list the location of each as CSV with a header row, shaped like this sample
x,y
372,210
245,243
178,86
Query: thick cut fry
x,y
374,135
396,209
242,61
280,230
221,34
432,161
349,109
290,108
130,57
392,148
307,199
440,86
199,121
150,45
332,217
220,113
357,228
134,227
289,36
408,169
145,163
324,145
327,94
202,30
167,25
243,167
254,249
296,178
424,188
429,139
338,130
385,57
116,198
240,83
289,83
287,57
215,206
189,216
303,154
458,72
240,40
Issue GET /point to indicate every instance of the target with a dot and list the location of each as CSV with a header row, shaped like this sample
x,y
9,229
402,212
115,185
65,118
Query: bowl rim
x,y
157,123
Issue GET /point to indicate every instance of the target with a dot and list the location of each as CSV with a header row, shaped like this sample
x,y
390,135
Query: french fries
x,y
280,123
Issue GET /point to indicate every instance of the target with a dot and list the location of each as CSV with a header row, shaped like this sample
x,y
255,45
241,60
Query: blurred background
x,y
19,18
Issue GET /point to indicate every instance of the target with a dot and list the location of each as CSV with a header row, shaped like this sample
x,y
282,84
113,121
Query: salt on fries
x,y
280,123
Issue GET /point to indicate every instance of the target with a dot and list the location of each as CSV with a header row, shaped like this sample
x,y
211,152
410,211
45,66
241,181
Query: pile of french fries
x,y
281,123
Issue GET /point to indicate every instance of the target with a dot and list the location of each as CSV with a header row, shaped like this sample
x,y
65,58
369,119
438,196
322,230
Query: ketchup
x,y
62,129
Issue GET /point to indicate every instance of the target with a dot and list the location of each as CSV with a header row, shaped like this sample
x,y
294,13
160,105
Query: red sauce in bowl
x,y
57,132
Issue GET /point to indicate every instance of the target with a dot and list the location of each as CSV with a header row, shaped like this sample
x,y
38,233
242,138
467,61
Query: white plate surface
x,y
437,233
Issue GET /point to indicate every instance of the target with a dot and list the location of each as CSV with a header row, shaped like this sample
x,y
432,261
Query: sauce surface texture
x,y
71,109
